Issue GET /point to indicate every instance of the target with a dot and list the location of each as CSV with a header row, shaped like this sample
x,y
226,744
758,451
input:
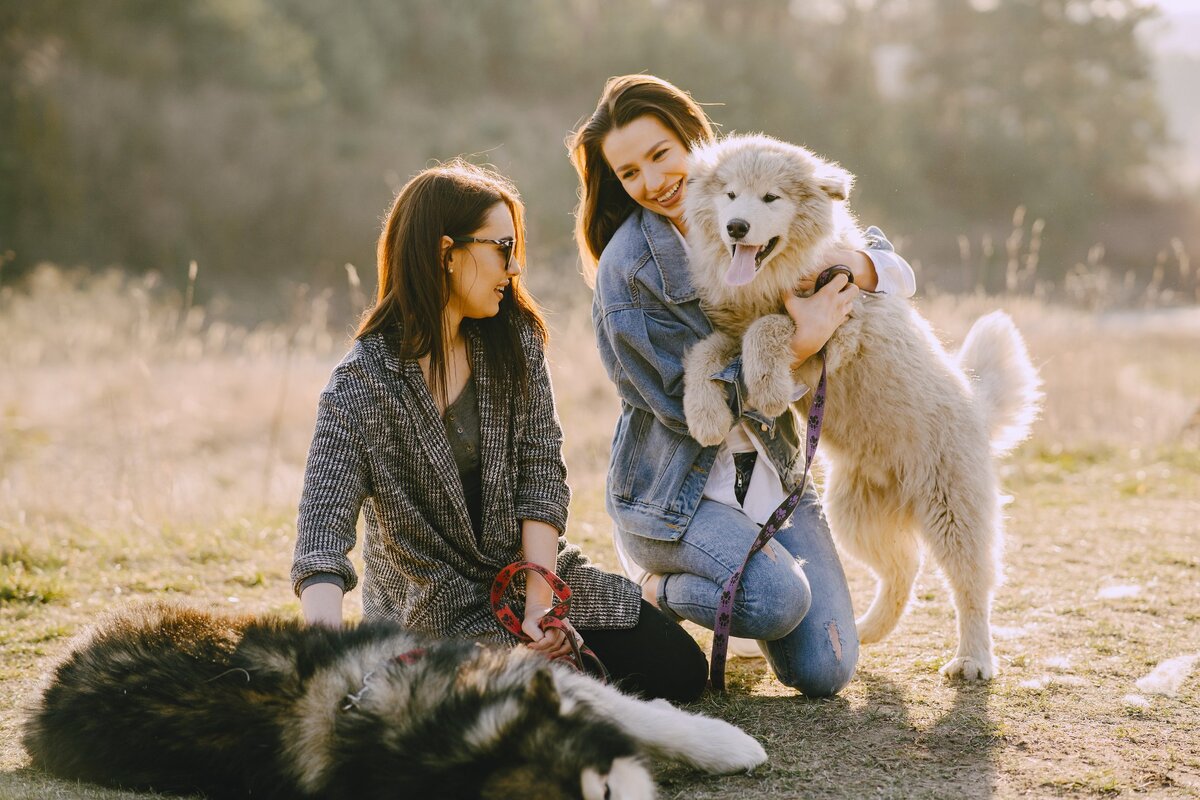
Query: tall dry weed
x,y
122,399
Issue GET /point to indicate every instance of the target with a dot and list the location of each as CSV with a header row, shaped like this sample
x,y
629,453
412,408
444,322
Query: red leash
x,y
556,617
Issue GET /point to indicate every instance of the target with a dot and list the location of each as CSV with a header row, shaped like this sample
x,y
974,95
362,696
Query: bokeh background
x,y
264,139
190,194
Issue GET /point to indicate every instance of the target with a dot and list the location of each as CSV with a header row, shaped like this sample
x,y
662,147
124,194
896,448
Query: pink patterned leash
x,y
556,617
778,518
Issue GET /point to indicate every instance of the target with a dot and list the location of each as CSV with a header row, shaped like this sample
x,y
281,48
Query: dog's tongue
x,y
741,268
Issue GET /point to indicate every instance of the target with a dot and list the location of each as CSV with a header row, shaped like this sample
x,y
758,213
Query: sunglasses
x,y
506,246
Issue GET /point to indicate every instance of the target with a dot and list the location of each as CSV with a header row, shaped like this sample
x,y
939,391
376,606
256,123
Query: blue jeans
x,y
793,595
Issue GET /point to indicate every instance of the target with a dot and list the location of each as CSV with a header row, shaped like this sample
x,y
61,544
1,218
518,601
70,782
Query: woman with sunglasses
x,y
684,513
439,426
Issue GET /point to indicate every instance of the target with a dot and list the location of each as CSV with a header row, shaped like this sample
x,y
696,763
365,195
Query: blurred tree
x,y
263,138
1046,103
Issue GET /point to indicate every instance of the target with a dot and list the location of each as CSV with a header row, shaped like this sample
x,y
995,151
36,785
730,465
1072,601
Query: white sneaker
x,y
744,648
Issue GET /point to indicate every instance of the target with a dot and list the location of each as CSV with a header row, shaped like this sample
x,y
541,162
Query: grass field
x,y
148,452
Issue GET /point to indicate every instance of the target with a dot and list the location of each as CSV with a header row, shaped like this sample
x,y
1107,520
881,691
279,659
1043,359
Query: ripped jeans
x,y
801,613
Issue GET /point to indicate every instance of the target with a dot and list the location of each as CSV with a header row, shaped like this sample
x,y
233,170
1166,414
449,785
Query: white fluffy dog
x,y
910,430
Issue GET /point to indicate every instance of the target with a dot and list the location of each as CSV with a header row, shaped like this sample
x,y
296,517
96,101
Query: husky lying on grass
x,y
910,430
180,700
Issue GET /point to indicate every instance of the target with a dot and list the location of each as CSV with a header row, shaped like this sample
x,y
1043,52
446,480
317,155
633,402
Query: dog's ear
x,y
541,692
835,181
702,162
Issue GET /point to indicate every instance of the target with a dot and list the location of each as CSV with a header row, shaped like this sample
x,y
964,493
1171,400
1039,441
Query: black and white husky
x,y
180,700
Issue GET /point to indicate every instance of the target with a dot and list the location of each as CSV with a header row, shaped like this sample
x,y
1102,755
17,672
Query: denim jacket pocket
x,y
656,477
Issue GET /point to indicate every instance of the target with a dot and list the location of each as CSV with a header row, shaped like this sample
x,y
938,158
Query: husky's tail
x,y
1006,384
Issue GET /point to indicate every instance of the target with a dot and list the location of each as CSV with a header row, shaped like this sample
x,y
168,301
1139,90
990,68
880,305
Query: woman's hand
x,y
859,263
818,316
539,544
552,642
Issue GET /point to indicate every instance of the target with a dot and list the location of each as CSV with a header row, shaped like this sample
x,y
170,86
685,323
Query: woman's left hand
x,y
552,642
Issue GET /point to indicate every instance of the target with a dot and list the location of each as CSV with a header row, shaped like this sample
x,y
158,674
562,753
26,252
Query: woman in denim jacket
x,y
687,514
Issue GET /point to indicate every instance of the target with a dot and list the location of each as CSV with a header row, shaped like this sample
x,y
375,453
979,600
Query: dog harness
x,y
556,617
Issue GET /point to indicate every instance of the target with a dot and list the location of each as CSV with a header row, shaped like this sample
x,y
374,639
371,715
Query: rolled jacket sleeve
x,y
599,599
895,274
336,483
541,490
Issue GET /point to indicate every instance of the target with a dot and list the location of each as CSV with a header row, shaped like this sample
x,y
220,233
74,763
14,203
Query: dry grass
x,y
145,453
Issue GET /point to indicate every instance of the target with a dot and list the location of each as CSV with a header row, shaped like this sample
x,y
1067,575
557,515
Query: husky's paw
x,y
727,748
968,668
708,418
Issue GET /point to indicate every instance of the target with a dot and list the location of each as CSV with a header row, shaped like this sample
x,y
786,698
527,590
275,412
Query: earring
x,y
449,269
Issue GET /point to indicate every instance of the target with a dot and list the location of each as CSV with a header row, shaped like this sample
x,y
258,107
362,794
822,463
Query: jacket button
x,y
764,427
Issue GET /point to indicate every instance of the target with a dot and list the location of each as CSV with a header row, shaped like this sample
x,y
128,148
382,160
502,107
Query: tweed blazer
x,y
380,449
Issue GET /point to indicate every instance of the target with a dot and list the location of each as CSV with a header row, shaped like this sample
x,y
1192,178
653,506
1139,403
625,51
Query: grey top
x,y
380,449
461,421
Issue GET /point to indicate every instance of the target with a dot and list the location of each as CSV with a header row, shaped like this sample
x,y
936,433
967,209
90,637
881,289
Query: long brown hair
x,y
603,202
453,199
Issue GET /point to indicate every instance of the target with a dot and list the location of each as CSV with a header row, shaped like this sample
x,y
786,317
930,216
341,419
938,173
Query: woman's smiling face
x,y
483,270
651,163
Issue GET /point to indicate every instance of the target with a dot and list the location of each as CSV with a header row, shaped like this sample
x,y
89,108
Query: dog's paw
x,y
711,433
765,356
770,392
769,386
728,748
967,668
708,418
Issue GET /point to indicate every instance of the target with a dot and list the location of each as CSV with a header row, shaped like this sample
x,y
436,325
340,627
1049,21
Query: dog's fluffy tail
x,y
1004,380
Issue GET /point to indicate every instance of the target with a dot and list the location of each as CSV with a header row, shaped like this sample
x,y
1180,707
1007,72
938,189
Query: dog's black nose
x,y
737,228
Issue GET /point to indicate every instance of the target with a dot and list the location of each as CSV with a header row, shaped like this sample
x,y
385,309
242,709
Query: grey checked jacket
x,y
380,449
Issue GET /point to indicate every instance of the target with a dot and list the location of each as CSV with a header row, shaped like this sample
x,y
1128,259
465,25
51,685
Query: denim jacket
x,y
646,315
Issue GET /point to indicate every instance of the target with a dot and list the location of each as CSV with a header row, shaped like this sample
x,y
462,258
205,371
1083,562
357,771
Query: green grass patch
x,y
29,558
20,587
1096,504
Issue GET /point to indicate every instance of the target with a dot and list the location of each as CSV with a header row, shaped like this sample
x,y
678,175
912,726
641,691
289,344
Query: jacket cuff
x,y
876,240
322,577
735,391
329,564
551,513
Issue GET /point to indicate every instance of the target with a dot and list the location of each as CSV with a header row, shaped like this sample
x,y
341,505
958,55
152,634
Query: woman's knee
x,y
771,604
823,668
688,680
825,681
655,659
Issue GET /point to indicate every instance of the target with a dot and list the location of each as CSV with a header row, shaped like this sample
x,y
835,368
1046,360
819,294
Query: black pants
x,y
655,658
